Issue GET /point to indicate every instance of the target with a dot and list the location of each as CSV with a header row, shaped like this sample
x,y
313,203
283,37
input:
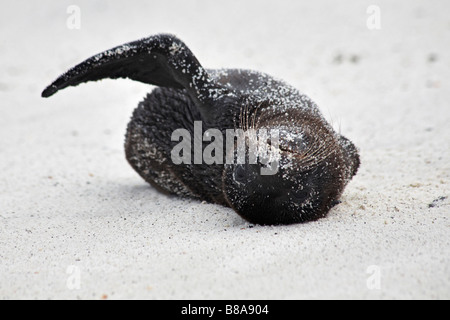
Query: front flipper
x,y
161,60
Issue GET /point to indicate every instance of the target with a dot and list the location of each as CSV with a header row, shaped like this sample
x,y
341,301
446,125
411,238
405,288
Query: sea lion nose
x,y
239,173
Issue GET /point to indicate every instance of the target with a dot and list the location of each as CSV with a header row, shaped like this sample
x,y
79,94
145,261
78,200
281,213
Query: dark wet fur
x,y
315,164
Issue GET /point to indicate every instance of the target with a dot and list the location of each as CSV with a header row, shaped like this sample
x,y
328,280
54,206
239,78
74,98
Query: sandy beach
x,y
76,222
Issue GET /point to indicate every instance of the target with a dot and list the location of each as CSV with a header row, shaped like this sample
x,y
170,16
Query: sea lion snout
x,y
273,199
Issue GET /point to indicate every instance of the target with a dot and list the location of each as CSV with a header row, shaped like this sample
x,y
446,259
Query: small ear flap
x,y
351,154
161,60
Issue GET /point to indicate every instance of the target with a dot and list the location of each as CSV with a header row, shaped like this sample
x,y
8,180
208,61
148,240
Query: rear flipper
x,y
161,60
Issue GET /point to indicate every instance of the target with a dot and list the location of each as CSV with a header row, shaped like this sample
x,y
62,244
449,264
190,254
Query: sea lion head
x,y
312,168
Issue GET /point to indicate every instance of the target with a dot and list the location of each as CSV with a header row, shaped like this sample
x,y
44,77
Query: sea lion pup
x,y
313,162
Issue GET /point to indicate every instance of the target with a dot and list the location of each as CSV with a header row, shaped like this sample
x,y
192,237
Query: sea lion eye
x,y
299,196
292,143
240,174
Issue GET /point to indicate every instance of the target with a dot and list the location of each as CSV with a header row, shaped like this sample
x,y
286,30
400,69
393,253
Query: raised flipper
x,y
161,60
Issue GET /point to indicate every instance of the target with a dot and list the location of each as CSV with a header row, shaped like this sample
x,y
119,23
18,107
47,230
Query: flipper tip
x,y
49,91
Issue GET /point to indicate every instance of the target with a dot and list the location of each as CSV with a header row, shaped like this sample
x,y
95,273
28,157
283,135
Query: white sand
x,y
77,222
